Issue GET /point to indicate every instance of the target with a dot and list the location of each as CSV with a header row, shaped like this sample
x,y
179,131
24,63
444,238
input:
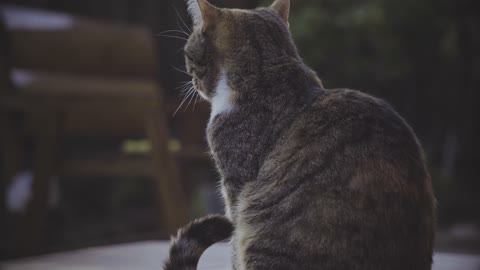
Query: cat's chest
x,y
233,143
226,130
222,101
239,141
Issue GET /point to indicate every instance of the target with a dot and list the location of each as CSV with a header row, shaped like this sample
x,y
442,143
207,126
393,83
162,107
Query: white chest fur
x,y
222,99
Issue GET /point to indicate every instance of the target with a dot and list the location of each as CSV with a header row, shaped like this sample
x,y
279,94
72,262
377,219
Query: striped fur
x,y
192,240
312,178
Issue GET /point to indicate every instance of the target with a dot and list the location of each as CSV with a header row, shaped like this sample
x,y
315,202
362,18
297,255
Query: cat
x,y
312,178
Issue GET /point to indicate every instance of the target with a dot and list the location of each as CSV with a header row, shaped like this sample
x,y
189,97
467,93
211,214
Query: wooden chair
x,y
64,76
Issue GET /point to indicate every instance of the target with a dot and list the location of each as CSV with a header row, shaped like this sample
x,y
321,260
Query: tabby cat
x,y
312,178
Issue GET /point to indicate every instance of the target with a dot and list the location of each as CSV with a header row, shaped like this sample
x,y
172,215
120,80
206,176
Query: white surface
x,y
445,261
150,256
22,18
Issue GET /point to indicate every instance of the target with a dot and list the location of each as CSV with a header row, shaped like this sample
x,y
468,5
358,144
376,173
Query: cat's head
x,y
233,40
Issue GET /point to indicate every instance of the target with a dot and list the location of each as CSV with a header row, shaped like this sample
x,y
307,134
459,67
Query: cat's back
x,y
362,126
365,139
347,183
354,115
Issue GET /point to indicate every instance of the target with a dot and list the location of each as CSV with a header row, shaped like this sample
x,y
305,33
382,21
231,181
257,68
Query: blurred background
x,y
93,153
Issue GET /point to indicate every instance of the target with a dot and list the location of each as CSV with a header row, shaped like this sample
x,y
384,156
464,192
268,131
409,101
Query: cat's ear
x,y
203,13
282,7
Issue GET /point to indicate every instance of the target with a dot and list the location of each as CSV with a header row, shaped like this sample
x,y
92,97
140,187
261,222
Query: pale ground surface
x,y
150,255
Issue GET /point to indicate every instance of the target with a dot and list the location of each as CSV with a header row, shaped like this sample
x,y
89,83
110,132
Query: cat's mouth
x,y
198,88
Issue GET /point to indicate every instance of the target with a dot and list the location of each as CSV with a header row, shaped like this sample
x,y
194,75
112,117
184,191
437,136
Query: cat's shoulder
x,y
355,109
350,97
352,102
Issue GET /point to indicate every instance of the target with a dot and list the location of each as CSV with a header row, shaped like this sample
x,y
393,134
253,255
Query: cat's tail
x,y
193,239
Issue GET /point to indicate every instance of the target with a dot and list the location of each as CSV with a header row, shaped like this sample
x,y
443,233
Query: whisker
x,y
173,31
189,94
185,89
188,91
178,23
180,106
196,99
182,84
191,98
169,36
181,28
180,17
182,71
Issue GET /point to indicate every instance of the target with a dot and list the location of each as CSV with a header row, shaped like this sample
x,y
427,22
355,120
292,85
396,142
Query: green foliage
x,y
362,44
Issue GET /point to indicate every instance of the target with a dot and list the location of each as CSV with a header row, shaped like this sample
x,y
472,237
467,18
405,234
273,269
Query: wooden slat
x,y
123,166
86,48
107,118
108,167
65,85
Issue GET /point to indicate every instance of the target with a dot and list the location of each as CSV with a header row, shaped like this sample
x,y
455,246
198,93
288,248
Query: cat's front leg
x,y
235,257
227,201
228,195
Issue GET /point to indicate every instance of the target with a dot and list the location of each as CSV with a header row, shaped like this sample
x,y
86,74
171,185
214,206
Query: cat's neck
x,y
276,81
273,87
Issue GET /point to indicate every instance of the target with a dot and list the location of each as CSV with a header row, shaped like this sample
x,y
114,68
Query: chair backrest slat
x,y
80,46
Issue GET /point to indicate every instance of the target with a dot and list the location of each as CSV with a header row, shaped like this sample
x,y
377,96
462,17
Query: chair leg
x,y
10,164
34,221
171,194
